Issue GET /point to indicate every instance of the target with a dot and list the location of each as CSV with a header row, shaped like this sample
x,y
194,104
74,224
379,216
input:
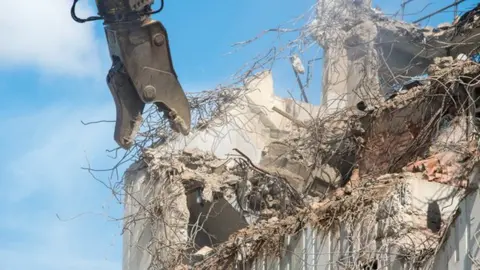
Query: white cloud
x,y
56,146
41,34
42,177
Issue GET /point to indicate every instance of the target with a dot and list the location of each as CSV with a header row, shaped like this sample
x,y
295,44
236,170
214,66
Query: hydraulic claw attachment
x,y
142,68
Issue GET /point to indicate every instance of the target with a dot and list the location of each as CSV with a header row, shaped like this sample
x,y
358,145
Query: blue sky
x,y
52,77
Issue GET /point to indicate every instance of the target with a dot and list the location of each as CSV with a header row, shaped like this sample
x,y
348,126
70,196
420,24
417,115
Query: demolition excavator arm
x,y
142,69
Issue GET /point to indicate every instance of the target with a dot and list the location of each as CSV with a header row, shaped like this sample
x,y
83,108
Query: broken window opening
x,y
211,222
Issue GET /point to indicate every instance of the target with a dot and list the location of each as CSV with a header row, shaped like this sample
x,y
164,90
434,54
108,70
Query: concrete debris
x,y
444,26
202,253
257,190
443,62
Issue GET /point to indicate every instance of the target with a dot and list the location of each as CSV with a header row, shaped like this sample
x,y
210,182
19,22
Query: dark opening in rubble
x,y
373,265
212,223
476,103
434,217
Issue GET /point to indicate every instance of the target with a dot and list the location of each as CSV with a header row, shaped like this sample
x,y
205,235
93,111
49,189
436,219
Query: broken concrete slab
x,y
202,253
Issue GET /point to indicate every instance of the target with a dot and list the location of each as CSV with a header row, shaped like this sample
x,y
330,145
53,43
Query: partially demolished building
x,y
383,175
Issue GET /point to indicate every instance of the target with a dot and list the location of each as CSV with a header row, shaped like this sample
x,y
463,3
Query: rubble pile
x,y
384,178
354,169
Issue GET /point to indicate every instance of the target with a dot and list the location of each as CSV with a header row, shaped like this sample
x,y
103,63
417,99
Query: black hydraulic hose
x,y
79,20
96,18
162,4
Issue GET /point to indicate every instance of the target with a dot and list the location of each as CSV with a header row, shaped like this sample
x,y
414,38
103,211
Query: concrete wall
x,y
252,124
461,250
173,213
335,86
350,63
